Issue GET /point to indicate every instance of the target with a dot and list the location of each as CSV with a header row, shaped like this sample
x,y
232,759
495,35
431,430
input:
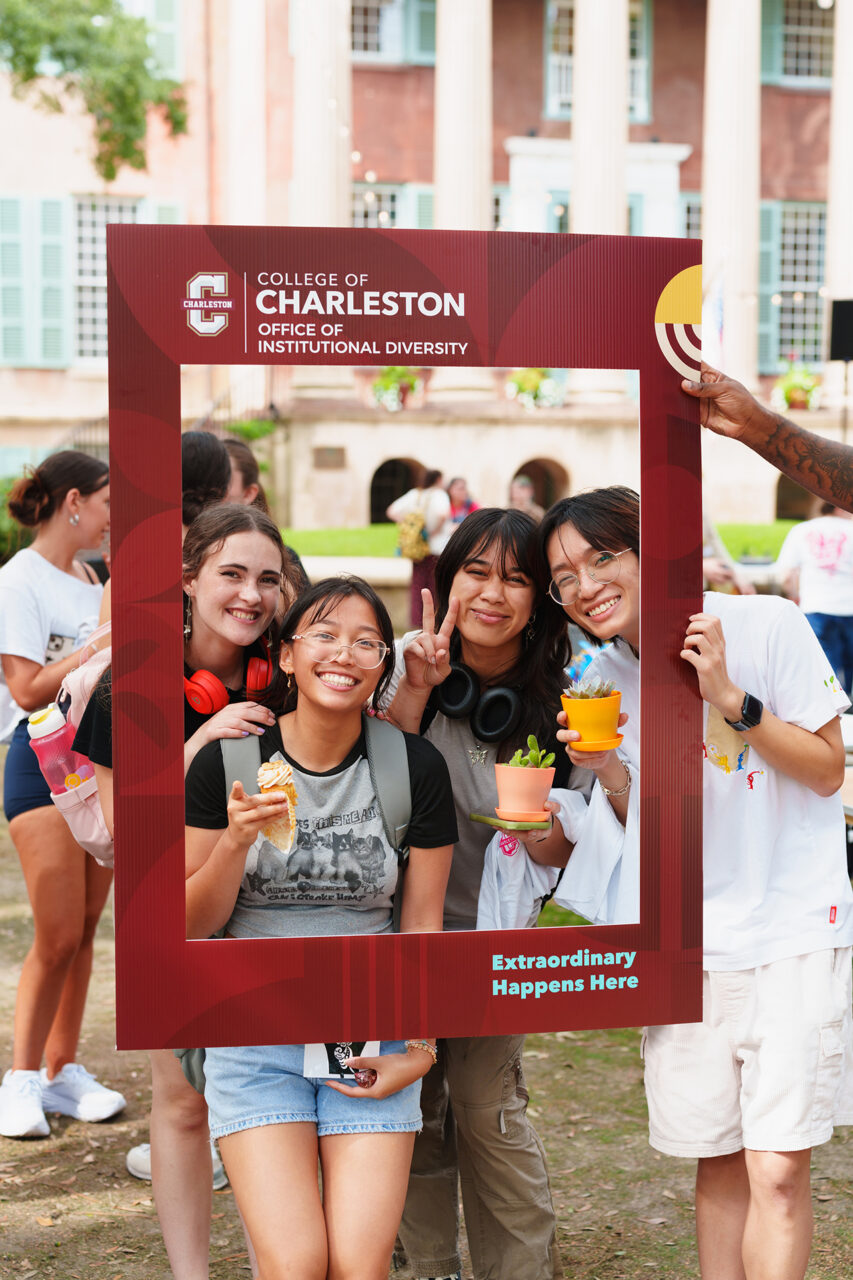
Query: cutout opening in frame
x,y
331,870
562,301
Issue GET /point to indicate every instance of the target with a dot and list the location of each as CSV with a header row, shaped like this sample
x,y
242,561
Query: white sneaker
x,y
138,1161
75,1092
21,1111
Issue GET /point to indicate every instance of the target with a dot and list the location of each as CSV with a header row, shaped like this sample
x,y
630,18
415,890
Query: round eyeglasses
x,y
326,648
601,567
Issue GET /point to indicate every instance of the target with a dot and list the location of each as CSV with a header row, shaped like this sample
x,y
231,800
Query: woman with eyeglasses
x,y
276,1108
591,546
486,671
749,1090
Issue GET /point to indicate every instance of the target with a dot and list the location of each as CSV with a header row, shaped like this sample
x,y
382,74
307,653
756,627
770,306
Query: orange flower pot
x,y
595,719
522,792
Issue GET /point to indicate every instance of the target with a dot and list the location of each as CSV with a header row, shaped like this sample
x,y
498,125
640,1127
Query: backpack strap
x,y
389,772
242,759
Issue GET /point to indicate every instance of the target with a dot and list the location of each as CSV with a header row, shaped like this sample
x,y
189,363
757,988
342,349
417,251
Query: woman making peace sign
x,y
486,670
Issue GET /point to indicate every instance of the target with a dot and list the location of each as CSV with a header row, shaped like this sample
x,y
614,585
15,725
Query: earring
x,y
75,519
530,629
188,620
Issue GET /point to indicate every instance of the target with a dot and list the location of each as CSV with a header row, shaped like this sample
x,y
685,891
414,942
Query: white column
x,y
244,195
322,113
731,189
838,277
598,201
463,115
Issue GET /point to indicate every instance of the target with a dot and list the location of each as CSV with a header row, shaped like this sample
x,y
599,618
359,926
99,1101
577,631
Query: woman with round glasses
x,y
590,544
750,1089
273,1108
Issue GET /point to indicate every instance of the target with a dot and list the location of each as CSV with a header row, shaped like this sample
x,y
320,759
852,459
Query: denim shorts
x,y
24,788
263,1084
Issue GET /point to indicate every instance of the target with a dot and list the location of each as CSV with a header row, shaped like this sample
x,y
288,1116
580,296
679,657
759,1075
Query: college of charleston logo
x,y
207,303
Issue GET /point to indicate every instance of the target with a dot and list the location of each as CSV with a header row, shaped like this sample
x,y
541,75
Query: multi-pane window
x,y
393,30
691,213
91,215
797,38
801,306
375,206
560,19
366,19
790,300
500,208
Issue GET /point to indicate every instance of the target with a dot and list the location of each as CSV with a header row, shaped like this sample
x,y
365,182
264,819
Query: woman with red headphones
x,y
236,577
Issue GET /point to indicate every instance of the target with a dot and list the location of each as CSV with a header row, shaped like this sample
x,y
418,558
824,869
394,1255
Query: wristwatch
x,y
750,714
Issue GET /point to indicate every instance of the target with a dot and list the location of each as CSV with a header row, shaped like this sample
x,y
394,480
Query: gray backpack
x,y
388,761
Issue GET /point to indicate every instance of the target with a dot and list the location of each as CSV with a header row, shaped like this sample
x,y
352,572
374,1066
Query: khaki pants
x,y
476,1129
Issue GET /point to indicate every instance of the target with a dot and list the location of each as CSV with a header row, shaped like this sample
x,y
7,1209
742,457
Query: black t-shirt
x,y
94,737
433,820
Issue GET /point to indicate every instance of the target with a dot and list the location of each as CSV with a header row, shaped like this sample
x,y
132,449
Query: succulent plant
x,y
534,758
591,689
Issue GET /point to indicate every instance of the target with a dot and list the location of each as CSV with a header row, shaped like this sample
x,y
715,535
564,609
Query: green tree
x,y
94,51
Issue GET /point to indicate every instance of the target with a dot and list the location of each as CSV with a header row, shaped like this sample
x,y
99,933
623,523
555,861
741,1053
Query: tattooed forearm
x,y
822,466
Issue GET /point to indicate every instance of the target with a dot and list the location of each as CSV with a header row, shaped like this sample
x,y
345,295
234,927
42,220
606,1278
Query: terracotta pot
x,y
595,719
522,792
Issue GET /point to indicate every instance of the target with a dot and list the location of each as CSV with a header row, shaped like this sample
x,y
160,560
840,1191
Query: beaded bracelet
x,y
426,1046
622,790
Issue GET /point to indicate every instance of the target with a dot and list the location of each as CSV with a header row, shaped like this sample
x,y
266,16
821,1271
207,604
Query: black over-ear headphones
x,y
494,714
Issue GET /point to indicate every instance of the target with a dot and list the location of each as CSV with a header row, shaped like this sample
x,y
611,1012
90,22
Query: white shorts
x,y
769,1067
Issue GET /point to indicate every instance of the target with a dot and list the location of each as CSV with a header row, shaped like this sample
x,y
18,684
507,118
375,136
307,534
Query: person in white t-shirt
x,y
431,500
49,603
763,1078
816,562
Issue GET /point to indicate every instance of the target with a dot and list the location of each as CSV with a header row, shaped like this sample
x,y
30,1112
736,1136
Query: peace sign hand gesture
x,y
427,658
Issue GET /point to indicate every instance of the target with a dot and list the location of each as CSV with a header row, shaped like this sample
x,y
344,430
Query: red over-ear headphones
x,y
206,693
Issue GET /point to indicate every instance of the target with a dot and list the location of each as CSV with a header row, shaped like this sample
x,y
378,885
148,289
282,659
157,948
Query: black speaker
x,y
841,336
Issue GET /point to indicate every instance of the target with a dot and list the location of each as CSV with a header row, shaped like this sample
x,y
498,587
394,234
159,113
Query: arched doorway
x,y
793,502
390,480
550,480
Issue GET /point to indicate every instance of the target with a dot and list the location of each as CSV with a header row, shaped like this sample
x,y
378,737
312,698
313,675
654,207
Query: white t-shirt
x,y
774,852
822,550
45,614
435,505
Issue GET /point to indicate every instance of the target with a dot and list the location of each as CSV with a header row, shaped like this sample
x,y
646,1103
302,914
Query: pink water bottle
x,y
51,737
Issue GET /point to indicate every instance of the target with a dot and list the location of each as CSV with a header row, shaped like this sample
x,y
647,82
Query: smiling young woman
x,y
494,631
271,1107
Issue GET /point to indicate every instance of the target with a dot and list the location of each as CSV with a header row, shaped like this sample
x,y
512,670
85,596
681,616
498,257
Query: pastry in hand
x,y
277,775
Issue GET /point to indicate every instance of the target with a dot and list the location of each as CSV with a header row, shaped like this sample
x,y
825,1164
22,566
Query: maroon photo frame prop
x,y
199,296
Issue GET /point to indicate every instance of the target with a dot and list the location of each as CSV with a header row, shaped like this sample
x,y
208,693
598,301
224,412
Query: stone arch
x,y
550,479
391,478
793,502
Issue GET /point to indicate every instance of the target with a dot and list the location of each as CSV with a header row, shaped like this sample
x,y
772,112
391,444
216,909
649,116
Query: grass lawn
x,y
375,540
381,540
755,539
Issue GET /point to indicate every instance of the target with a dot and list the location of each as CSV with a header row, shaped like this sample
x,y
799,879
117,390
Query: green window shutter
x,y
420,31
35,283
164,20
771,39
635,215
424,214
768,284
13,283
53,317
150,210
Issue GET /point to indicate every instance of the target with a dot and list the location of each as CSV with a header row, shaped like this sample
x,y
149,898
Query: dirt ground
x,y
69,1209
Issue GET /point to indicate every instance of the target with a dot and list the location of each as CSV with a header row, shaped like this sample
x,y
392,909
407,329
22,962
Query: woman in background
x,y
430,500
49,602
